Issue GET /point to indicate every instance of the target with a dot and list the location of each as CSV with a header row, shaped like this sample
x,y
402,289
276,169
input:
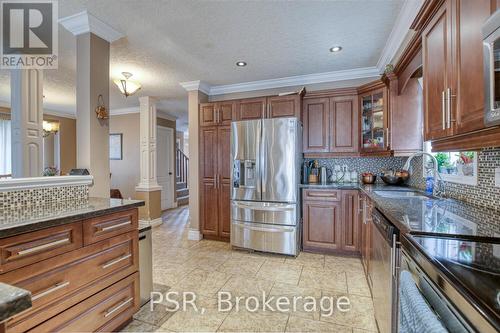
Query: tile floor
x,y
208,267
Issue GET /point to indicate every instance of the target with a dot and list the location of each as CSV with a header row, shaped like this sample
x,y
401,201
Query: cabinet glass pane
x,y
378,102
378,137
378,119
367,104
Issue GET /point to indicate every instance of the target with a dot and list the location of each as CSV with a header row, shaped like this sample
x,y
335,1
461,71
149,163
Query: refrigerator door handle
x,y
270,208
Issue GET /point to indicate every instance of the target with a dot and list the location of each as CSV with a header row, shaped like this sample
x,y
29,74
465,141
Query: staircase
x,y
181,176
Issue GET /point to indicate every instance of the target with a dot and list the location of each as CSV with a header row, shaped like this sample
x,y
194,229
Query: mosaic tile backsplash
x,y
43,197
485,194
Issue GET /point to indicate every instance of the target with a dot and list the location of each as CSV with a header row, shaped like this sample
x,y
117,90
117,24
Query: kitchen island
x,y
67,259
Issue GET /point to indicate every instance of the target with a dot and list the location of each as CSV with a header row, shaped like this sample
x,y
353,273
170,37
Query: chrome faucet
x,y
437,191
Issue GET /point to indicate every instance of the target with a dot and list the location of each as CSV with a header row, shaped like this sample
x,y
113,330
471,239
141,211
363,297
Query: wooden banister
x,y
182,166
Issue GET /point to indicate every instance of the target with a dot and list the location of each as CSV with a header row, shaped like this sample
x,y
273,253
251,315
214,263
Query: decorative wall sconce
x,y
127,87
100,110
50,127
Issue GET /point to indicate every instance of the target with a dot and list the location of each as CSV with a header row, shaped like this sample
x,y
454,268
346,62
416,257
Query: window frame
x,y
465,180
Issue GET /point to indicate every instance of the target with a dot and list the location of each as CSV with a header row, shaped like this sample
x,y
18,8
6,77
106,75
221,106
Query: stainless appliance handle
x,y
246,226
443,108
56,287
43,246
118,307
276,208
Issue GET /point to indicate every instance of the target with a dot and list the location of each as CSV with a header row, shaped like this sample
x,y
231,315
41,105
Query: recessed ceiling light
x,y
336,49
241,64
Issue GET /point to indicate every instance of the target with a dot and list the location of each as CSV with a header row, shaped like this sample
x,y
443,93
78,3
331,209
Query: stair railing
x,y
182,166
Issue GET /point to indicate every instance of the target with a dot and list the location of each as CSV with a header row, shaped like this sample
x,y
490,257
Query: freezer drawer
x,y
265,237
264,212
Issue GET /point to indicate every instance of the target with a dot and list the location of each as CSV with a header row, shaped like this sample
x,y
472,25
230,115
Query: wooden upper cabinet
x,y
207,114
283,106
344,121
374,118
470,16
218,113
251,108
437,72
226,112
316,130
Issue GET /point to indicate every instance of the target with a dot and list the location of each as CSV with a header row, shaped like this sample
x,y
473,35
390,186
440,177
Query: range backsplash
x,y
485,194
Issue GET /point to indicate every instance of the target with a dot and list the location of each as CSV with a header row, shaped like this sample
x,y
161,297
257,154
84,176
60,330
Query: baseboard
x,y
194,234
152,223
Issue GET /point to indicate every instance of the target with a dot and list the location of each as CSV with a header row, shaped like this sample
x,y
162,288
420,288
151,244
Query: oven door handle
x,y
395,256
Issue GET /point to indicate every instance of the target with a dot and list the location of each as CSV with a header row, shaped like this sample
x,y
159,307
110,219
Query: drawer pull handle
x,y
43,246
317,195
56,287
115,261
118,307
114,226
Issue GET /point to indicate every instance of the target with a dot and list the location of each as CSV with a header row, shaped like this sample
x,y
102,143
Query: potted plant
x,y
50,171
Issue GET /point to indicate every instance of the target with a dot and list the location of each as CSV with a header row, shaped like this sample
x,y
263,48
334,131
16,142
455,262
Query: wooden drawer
x,y
19,251
105,311
62,279
102,227
322,195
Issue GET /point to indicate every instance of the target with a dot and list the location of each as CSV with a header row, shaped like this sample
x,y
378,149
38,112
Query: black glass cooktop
x,y
476,265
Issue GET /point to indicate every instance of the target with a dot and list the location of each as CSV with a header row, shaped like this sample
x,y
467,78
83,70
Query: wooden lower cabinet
x,y
366,239
80,287
330,221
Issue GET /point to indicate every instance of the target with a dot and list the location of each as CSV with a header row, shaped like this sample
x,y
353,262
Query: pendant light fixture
x,y
126,86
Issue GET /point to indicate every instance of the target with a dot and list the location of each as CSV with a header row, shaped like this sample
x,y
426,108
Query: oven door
x,y
422,307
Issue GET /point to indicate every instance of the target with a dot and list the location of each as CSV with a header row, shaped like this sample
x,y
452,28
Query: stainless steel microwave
x,y
491,59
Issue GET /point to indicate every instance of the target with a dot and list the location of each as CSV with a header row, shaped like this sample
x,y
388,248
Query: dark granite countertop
x,y
336,186
21,220
13,300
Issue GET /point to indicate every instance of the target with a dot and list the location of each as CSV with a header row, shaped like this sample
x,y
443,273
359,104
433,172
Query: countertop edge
x,y
13,300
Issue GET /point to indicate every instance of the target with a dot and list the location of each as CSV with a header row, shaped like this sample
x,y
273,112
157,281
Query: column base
x,y
194,234
152,205
152,223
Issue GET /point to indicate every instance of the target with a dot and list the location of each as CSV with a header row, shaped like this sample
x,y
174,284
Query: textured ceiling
x,y
168,42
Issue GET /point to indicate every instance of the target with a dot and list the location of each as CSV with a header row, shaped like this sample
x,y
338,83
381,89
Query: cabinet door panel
x,y
321,225
226,112
208,208
224,181
470,86
316,126
252,108
207,114
344,124
283,106
208,153
350,231
436,55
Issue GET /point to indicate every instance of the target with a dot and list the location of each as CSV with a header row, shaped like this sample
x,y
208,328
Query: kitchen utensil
x,y
395,177
323,175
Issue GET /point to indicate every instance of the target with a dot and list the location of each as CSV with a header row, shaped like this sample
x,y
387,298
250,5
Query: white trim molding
x,y
59,114
164,115
16,184
119,112
196,85
84,22
299,80
409,10
194,234
152,223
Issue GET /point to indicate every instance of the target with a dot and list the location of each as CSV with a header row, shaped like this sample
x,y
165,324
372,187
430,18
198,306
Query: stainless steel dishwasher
x,y
145,264
385,256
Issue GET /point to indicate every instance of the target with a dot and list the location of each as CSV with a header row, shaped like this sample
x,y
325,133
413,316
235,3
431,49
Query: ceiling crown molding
x,y
196,85
406,15
85,22
300,80
118,112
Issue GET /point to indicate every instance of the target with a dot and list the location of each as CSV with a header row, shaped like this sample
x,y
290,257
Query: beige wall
x,y
67,140
125,173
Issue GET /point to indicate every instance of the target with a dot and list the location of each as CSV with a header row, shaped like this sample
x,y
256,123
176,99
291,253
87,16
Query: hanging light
x,y
50,127
127,87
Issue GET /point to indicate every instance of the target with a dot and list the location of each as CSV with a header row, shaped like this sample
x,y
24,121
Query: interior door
x,y
165,165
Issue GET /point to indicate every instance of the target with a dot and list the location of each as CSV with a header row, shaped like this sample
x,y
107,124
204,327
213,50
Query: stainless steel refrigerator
x,y
266,157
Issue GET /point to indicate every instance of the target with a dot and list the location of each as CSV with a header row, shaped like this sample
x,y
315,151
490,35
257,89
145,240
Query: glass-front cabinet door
x,y
374,129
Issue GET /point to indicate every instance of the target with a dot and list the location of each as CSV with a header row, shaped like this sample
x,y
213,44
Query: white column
x,y
147,181
27,122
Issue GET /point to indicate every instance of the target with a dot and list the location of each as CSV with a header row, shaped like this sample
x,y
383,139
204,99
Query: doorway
x,y
165,165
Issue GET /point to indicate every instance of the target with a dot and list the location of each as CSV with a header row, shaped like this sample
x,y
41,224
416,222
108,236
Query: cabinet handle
x,y
115,226
43,246
448,107
443,109
118,307
214,115
218,116
215,180
387,137
115,261
46,292
314,195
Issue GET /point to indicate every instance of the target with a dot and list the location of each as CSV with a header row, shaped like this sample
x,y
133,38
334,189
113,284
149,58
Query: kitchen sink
x,y
400,194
